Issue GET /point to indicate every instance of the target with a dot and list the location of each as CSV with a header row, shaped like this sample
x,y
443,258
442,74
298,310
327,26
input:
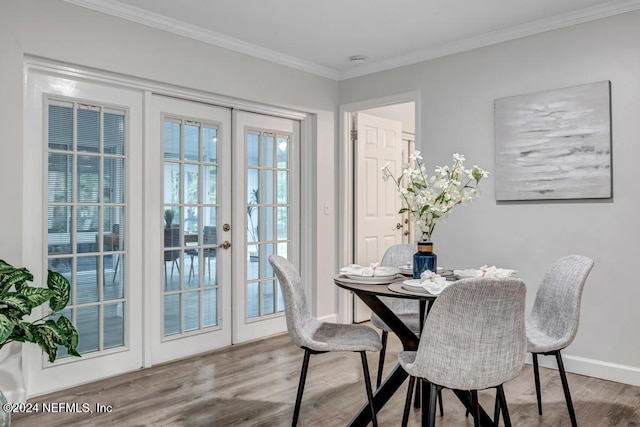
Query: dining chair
x,y
407,310
553,322
316,337
473,339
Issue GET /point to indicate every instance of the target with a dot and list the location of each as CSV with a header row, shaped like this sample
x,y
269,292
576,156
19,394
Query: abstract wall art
x,y
555,144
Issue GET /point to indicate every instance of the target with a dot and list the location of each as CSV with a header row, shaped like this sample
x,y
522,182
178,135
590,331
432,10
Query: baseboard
x,y
593,368
332,318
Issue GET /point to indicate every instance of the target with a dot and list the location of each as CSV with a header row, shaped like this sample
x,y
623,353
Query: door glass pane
x,y
113,324
267,221
171,137
86,183
190,188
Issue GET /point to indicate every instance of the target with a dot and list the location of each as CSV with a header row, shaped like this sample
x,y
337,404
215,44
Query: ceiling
x,y
320,36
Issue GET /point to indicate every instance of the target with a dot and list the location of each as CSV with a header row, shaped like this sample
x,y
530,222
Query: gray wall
x,y
458,92
63,32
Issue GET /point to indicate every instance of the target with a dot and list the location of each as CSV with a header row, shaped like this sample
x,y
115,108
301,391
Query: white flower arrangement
x,y
430,199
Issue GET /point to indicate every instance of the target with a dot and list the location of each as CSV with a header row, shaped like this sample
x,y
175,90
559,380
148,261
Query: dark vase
x,y
424,259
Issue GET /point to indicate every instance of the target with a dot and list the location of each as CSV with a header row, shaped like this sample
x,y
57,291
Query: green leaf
x,y
61,289
4,266
6,327
18,302
71,335
403,210
44,337
13,277
37,296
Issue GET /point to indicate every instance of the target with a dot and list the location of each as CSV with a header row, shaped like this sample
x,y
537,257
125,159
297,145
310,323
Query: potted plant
x,y
18,299
168,218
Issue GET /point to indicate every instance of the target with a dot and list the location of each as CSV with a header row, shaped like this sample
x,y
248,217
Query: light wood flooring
x,y
255,385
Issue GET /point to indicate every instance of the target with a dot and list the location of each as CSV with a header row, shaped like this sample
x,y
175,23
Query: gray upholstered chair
x,y
407,310
473,339
553,322
316,337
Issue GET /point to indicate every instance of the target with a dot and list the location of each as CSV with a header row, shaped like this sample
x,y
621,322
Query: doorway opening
x,y
374,133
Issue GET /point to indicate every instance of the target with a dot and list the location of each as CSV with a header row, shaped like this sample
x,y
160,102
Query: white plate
x,y
414,286
373,280
406,270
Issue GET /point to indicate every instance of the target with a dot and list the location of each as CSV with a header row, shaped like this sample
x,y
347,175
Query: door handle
x,y
225,244
226,227
398,226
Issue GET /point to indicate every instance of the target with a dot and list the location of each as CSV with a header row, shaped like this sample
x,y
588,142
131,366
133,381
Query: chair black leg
x,y
565,387
476,412
384,337
367,383
536,376
303,377
416,400
429,395
440,402
496,409
503,405
407,402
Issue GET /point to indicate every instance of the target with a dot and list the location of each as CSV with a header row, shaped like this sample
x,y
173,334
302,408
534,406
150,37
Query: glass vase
x,y
424,259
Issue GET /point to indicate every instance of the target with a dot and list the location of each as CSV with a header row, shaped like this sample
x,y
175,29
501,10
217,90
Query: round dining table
x,y
370,294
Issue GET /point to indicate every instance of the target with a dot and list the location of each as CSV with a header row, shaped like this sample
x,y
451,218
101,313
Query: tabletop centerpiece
x,y
429,199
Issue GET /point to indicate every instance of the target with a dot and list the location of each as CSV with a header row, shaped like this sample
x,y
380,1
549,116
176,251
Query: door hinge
x,y
354,135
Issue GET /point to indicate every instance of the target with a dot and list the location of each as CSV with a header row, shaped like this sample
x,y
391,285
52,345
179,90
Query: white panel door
x,y
379,142
82,216
266,201
187,222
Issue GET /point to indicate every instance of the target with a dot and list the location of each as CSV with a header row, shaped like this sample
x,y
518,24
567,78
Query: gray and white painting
x,y
554,144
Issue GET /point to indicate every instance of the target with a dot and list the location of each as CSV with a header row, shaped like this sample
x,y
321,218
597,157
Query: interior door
x,y
188,222
378,142
266,215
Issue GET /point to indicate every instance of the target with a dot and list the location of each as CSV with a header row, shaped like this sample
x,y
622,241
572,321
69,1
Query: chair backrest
x,y
210,237
394,256
171,240
398,254
556,309
474,337
299,319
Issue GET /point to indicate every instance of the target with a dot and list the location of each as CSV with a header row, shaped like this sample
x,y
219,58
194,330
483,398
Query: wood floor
x,y
255,385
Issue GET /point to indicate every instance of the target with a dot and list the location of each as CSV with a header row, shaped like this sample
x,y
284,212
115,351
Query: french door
x,y
189,220
82,215
266,196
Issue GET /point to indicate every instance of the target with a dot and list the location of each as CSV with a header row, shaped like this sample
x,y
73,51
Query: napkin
x,y
432,282
373,270
486,271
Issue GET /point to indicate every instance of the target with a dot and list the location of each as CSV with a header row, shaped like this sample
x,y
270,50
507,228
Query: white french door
x,y
266,200
188,222
82,218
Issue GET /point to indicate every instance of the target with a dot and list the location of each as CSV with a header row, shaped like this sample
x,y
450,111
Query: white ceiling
x,y
319,36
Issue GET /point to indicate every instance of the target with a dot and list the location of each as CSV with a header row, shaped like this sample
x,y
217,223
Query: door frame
x,y
309,132
346,191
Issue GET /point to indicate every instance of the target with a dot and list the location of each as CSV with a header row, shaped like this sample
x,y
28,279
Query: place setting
x,y
431,283
374,274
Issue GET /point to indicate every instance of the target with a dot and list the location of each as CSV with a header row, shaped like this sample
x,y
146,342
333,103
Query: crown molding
x,y
487,39
141,16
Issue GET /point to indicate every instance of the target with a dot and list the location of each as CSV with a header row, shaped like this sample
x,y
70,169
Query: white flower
x,y
429,199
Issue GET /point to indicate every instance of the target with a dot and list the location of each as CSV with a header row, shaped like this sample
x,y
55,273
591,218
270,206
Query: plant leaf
x,y
71,335
18,302
44,337
61,289
37,296
6,327
11,277
4,266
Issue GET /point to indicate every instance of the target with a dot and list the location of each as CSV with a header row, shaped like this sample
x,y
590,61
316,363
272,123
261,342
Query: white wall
x,y
70,34
457,116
